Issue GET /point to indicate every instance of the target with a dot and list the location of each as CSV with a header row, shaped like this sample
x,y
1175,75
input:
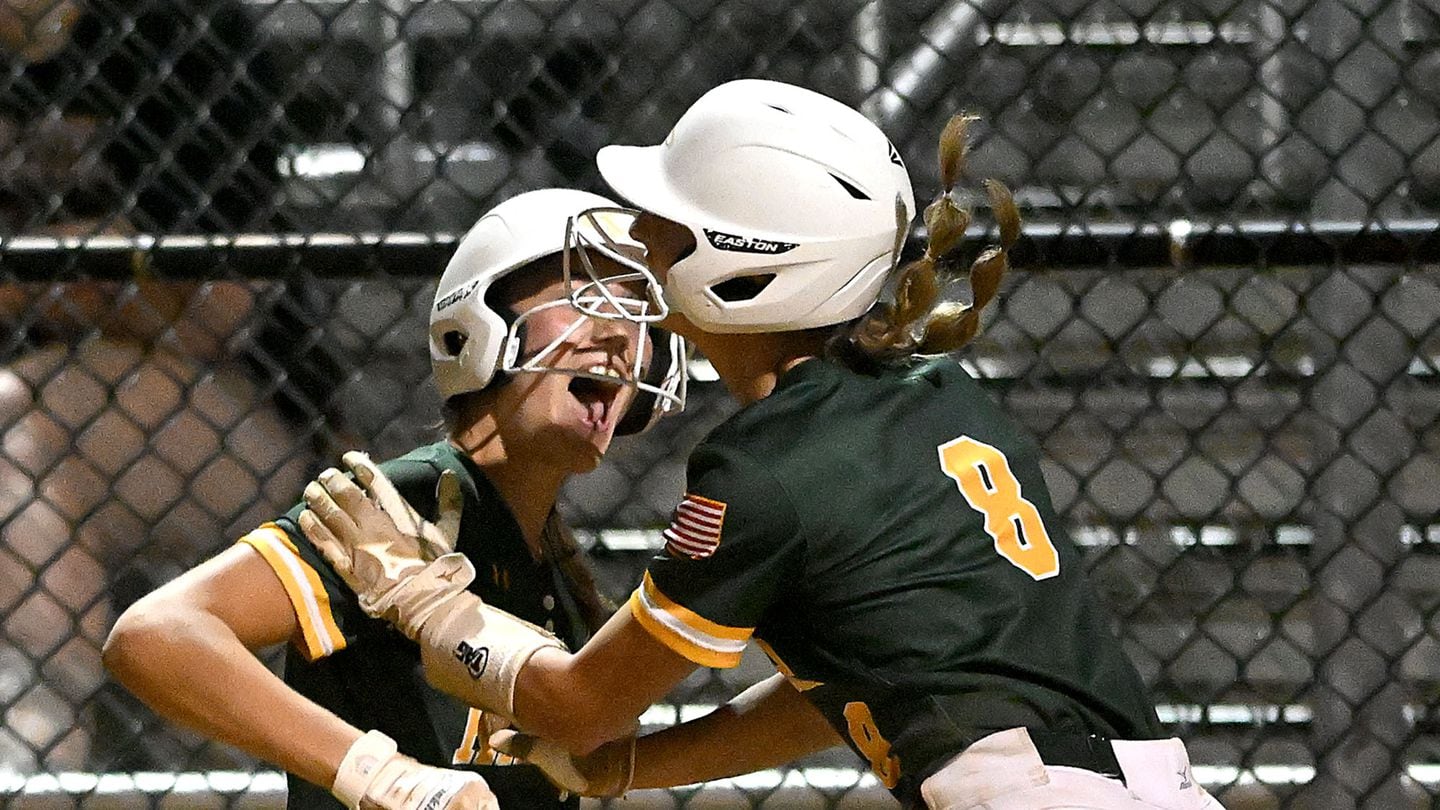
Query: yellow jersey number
x,y
475,747
984,477
861,725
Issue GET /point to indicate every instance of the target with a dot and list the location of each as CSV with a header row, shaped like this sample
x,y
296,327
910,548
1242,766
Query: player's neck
x,y
530,493
751,365
528,489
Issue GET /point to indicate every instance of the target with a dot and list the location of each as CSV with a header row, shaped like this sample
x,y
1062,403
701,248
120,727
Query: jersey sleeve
x,y
323,603
731,548
327,610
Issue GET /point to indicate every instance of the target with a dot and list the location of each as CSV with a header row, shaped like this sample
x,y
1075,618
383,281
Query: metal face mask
x,y
659,368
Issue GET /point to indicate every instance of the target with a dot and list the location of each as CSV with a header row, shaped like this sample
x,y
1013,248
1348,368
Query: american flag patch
x,y
695,530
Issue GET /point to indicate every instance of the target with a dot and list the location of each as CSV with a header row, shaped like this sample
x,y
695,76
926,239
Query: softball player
x,y
534,391
869,516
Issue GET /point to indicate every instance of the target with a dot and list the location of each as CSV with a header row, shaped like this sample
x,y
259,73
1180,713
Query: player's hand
x,y
605,772
491,723
383,549
404,784
432,540
402,567
375,776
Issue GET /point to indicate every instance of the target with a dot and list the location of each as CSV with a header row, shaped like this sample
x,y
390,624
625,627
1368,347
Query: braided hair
x,y
918,321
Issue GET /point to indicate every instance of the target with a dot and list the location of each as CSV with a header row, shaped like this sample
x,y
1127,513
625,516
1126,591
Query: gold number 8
x,y
861,724
984,477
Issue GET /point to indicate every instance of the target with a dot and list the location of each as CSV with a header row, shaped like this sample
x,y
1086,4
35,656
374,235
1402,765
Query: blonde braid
x,y
914,323
952,325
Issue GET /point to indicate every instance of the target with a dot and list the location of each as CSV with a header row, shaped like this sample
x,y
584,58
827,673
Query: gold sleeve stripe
x,y
800,684
691,618
307,594
677,640
668,628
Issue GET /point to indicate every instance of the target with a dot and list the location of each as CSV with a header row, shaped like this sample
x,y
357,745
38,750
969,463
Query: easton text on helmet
x,y
747,244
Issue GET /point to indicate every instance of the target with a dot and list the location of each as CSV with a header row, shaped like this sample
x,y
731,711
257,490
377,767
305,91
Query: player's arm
x,y
469,649
496,662
765,726
595,695
186,649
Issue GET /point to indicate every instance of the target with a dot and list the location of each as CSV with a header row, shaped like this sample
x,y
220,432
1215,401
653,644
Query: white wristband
x,y
359,767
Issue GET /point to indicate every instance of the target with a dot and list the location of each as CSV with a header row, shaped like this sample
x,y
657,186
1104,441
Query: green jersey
x,y
891,543
369,674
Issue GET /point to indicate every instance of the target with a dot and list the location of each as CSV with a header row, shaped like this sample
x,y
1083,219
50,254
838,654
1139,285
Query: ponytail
x,y
914,323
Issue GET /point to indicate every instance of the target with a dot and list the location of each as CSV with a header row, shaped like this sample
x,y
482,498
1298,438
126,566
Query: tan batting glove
x,y
386,553
402,567
606,772
375,776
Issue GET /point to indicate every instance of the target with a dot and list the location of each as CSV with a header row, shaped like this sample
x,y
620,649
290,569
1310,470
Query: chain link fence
x,y
221,222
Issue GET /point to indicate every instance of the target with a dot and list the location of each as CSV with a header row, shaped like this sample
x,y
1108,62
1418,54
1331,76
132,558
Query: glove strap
x,y
360,766
475,652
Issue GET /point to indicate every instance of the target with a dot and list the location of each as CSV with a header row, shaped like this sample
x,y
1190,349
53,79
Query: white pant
x,y
1003,772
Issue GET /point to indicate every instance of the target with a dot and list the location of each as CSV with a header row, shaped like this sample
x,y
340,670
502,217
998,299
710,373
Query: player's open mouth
x,y
597,396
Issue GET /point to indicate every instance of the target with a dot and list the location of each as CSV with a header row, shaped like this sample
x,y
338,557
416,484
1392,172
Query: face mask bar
x,y
606,232
673,384
667,387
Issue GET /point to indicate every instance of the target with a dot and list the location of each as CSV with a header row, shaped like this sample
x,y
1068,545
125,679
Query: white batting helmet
x,y
780,185
470,341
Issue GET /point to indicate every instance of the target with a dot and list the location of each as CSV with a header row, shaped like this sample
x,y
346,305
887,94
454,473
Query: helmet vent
x,y
454,342
781,109
744,288
851,188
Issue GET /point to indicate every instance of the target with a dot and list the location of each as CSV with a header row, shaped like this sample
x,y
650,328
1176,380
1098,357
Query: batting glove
x,y
402,567
606,772
384,550
375,776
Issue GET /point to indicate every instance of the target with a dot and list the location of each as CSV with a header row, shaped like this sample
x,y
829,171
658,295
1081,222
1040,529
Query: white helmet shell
x,y
777,183
467,336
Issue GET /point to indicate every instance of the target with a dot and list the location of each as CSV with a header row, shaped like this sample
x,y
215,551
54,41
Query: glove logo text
x,y
475,659
438,799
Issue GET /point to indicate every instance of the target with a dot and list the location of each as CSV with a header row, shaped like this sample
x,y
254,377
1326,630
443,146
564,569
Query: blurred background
x,y
221,222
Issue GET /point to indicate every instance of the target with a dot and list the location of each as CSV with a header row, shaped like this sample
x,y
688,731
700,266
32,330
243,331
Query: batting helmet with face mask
x,y
473,343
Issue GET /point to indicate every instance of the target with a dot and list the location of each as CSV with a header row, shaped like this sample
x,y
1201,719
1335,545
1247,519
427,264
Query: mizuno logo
x,y
475,659
747,244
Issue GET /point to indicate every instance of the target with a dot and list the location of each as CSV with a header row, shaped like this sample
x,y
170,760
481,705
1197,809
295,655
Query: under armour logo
x,y
1185,783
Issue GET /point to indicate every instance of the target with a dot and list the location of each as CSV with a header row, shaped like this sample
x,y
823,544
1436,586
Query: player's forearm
x,y
584,700
190,668
765,726
554,699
